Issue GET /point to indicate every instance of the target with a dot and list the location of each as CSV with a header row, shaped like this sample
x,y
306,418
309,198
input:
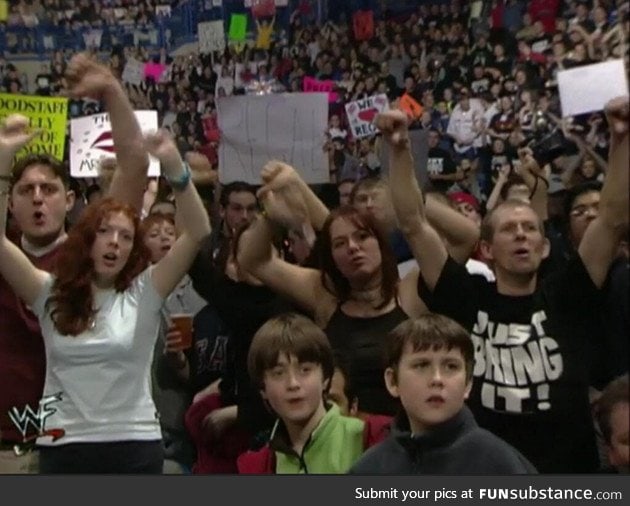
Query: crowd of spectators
x,y
483,87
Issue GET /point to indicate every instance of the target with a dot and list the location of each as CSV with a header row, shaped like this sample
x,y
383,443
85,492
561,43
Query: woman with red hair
x,y
99,315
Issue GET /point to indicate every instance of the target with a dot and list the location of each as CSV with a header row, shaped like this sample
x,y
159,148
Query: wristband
x,y
180,183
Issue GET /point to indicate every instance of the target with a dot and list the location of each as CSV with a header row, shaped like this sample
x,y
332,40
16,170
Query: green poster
x,y
238,26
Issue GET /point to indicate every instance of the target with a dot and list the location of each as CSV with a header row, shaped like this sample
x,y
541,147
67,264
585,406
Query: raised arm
x,y
256,255
601,239
495,195
194,219
460,233
24,278
86,77
537,182
425,242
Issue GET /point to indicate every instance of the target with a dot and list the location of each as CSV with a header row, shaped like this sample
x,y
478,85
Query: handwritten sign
x,y
91,140
133,73
44,113
361,113
211,36
258,128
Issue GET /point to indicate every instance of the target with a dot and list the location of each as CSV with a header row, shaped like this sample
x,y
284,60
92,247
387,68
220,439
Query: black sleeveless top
x,y
359,341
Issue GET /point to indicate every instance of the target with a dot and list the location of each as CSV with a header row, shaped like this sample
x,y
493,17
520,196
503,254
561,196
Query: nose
x,y
436,376
113,238
352,245
292,381
591,212
37,194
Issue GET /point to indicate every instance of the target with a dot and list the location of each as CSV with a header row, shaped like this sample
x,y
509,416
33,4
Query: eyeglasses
x,y
579,211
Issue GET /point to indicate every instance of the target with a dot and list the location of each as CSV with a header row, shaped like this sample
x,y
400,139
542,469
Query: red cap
x,y
460,197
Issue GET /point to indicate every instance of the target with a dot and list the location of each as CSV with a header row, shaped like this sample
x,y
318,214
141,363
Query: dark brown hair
x,y
429,331
56,166
290,334
330,274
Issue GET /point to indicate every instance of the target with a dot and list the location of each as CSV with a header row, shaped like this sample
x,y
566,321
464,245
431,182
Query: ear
x,y
70,198
326,385
263,394
486,250
546,248
468,389
353,409
390,382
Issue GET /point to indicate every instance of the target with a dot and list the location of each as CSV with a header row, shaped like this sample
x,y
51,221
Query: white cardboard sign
x,y
284,126
588,88
211,36
133,73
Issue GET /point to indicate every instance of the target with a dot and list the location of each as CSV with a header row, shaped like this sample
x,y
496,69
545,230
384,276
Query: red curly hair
x,y
71,296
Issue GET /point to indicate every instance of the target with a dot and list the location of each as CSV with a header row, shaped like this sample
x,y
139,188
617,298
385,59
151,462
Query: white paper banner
x,y
288,127
211,36
361,113
588,88
92,39
278,3
133,73
163,10
91,140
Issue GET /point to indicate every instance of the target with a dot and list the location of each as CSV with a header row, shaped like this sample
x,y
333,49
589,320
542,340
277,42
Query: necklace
x,y
371,296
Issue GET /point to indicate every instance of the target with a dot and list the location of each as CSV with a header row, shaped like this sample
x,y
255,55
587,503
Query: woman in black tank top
x,y
356,295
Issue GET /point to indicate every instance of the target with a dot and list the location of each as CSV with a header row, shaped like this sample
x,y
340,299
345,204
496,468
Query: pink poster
x,y
154,70
311,85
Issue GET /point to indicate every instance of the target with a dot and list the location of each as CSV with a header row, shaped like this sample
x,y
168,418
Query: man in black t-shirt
x,y
532,339
441,168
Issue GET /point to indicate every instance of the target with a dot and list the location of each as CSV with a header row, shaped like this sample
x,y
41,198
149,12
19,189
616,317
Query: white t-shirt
x,y
98,384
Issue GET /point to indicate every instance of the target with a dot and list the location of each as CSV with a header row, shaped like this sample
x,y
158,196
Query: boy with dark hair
x,y
291,362
429,368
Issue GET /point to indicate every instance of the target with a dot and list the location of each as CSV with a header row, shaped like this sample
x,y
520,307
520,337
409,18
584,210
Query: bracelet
x,y
182,181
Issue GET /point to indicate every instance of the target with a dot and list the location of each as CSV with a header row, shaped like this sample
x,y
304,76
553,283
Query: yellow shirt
x,y
263,38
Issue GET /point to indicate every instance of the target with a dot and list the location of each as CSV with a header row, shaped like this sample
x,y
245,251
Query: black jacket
x,y
458,446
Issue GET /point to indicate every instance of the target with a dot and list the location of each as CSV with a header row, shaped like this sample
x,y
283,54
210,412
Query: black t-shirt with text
x,y
532,358
439,161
